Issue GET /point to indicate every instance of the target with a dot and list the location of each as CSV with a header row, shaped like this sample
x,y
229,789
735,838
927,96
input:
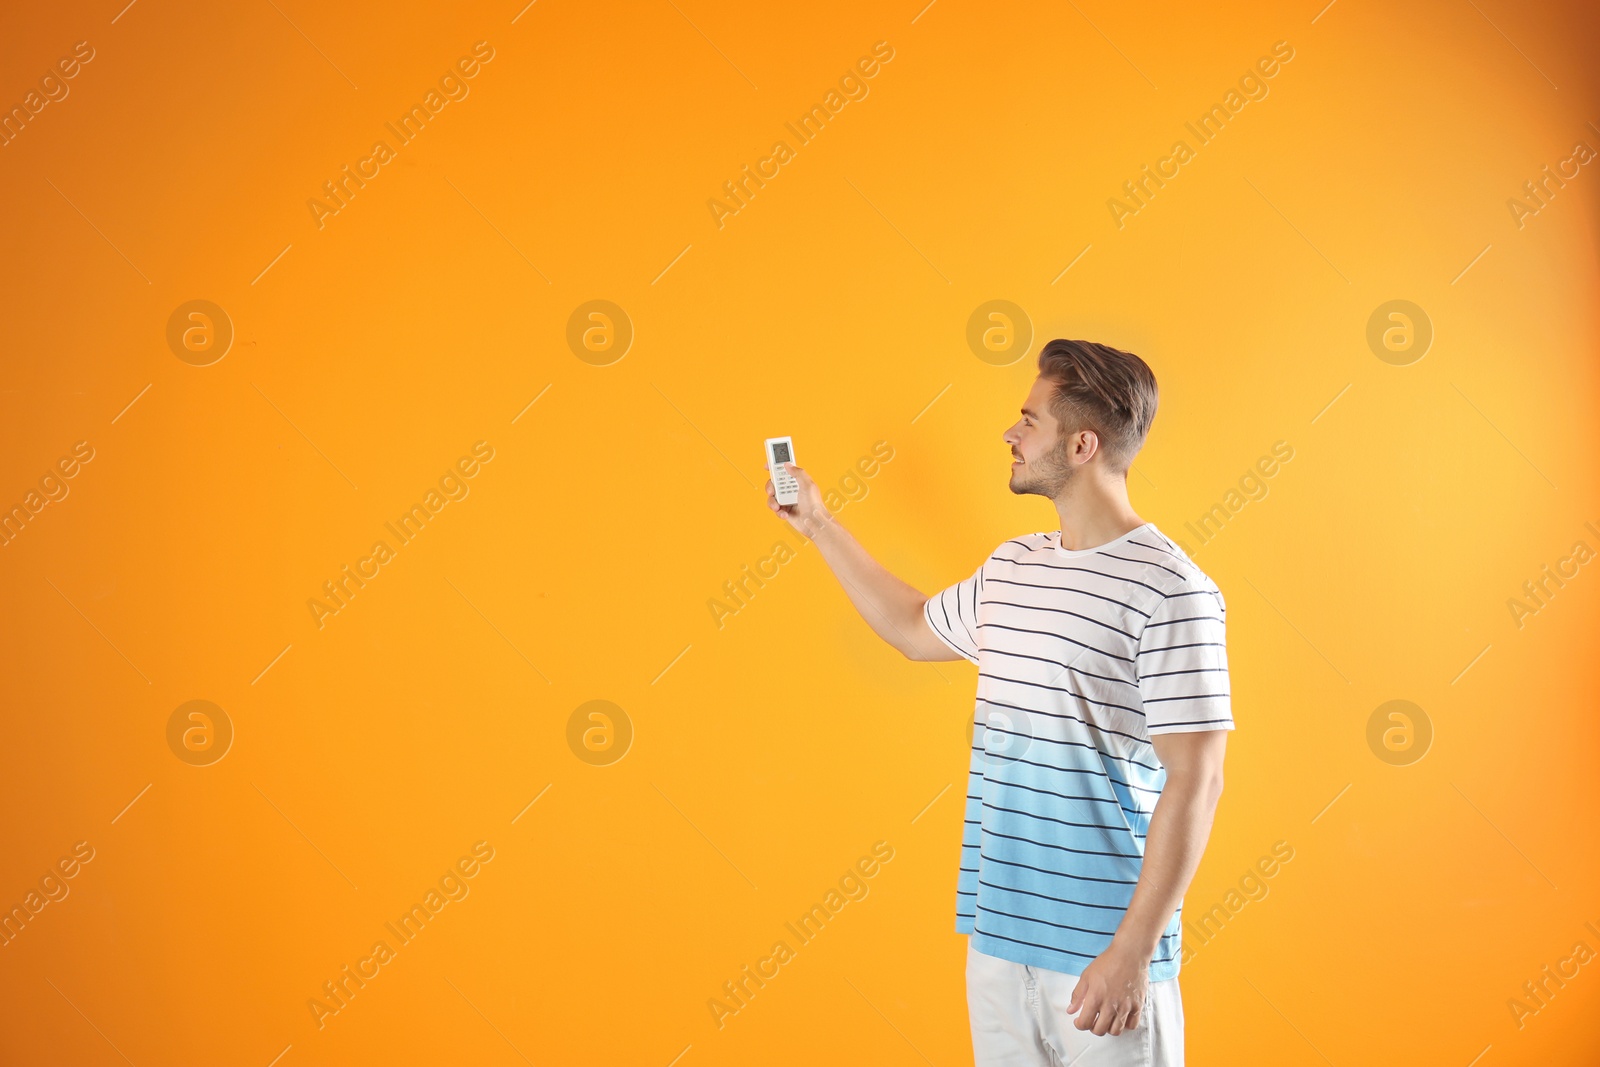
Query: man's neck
x,y
1094,511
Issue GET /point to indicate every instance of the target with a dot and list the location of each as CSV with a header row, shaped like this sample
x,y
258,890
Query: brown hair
x,y
1103,389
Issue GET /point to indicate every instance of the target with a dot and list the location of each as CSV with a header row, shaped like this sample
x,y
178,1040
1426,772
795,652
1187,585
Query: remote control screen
x,y
780,452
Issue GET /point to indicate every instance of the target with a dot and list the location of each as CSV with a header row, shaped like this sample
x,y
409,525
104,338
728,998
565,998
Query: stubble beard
x,y
1045,476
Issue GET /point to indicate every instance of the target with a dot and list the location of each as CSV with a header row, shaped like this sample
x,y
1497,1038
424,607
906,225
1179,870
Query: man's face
x,y
1041,466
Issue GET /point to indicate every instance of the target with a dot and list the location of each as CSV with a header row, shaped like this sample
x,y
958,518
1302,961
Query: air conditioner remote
x,y
780,450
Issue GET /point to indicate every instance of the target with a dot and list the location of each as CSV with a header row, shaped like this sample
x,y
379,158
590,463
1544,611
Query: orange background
x,y
772,752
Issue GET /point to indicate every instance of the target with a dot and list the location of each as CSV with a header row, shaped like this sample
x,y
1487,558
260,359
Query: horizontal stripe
x,y
1147,563
1069,744
1174,648
990,910
993,703
1063,848
1064,611
1189,618
1067,951
1191,670
1058,589
1035,944
984,756
1061,637
1156,548
1062,666
1061,822
1065,796
1061,689
1088,570
1058,874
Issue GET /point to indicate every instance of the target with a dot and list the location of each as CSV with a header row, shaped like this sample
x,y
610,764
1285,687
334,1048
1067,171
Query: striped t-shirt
x,y
1081,655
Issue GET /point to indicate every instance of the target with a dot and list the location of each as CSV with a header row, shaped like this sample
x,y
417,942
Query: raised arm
x,y
892,608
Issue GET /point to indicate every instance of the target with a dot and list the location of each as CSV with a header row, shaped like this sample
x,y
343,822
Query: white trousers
x,y
1019,1019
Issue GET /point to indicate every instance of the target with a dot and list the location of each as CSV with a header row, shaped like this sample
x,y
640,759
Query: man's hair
x,y
1103,389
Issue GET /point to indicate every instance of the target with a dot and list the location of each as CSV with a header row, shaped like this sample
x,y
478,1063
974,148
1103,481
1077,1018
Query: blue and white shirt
x,y
1081,655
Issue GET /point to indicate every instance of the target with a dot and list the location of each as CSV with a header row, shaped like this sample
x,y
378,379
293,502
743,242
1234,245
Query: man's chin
x,y
1023,485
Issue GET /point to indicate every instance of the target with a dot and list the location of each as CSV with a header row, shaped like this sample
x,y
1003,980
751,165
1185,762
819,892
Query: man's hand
x,y
892,608
807,514
1111,992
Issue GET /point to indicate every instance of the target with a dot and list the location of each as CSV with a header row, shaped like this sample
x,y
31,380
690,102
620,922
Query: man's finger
x,y
1076,1000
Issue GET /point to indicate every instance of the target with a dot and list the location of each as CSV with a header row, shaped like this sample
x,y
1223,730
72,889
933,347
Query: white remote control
x,y
780,450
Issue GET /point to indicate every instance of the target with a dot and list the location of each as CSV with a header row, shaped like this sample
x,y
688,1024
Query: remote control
x,y
780,450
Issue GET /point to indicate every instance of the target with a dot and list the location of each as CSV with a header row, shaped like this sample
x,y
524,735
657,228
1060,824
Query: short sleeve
x,y
953,615
1183,664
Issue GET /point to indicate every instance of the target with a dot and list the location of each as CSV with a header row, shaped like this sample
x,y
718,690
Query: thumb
x,y
1075,1001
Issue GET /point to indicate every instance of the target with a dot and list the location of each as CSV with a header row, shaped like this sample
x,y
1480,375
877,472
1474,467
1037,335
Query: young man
x,y
1097,745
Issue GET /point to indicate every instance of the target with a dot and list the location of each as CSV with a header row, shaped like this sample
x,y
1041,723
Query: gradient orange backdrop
x,y
772,747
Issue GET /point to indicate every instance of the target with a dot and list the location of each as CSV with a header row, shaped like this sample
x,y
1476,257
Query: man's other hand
x,y
1111,992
